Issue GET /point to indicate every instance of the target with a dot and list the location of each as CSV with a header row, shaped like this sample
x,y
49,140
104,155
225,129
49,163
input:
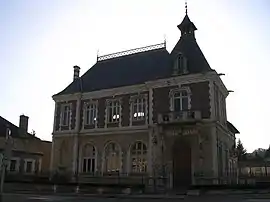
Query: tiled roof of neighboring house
x,y
15,130
232,128
141,67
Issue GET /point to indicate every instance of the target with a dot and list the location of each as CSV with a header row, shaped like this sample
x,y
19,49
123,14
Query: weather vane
x,y
186,6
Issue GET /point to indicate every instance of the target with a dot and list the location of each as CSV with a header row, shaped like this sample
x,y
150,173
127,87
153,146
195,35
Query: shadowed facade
x,y
146,112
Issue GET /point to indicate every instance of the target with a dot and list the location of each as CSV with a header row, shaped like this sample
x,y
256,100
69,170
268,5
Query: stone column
x,y
214,152
76,138
212,101
54,119
150,105
150,152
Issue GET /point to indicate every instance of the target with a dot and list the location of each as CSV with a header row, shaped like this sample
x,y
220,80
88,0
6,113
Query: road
x,y
50,198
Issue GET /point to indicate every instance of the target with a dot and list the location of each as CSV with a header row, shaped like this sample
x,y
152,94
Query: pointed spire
x,y
187,27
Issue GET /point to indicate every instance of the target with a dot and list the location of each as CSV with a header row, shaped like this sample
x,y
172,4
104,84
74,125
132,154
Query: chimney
x,y
76,72
23,125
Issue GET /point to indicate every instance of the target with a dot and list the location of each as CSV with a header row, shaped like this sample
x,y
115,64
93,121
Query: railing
x,y
131,51
181,116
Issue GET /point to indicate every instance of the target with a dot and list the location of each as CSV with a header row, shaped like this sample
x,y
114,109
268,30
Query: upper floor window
x,y
113,111
138,108
90,113
65,114
180,100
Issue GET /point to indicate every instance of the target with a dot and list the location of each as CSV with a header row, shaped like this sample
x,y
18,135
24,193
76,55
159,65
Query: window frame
x,y
92,158
93,112
172,98
17,165
115,155
139,105
180,64
68,113
110,111
33,161
139,155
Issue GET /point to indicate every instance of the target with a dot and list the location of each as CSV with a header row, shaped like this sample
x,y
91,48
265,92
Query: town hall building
x,y
146,112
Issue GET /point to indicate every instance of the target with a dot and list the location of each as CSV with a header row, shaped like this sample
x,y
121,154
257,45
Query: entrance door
x,y
181,163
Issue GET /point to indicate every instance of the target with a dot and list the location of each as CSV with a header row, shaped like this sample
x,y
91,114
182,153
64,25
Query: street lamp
x,y
5,160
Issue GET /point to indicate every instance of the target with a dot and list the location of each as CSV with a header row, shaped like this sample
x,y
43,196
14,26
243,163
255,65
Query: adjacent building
x,y
146,111
29,154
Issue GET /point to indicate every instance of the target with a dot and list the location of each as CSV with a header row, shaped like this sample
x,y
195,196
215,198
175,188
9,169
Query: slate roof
x,y
186,23
141,67
123,71
15,130
188,46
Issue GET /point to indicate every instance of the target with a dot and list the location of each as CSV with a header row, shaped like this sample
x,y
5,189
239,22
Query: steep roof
x,y
188,46
190,49
123,71
140,67
15,130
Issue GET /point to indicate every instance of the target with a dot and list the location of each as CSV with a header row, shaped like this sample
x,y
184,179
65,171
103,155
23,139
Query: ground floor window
x,y
138,157
89,165
29,166
13,164
89,156
112,158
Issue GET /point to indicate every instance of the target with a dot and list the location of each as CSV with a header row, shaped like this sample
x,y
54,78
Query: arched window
x,y
180,65
112,158
138,155
89,156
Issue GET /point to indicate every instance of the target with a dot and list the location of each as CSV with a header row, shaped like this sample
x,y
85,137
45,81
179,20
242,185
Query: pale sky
x,y
41,41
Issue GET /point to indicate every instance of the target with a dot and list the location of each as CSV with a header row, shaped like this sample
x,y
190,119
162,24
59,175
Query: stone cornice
x,y
159,83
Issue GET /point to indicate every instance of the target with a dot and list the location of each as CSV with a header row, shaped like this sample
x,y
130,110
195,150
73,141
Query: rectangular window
x,y
29,166
139,108
180,101
90,114
88,165
65,115
113,111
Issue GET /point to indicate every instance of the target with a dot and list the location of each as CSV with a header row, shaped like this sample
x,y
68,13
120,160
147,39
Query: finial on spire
x,y
186,6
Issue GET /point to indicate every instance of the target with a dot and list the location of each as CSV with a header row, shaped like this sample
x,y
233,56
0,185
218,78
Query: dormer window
x,y
180,65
